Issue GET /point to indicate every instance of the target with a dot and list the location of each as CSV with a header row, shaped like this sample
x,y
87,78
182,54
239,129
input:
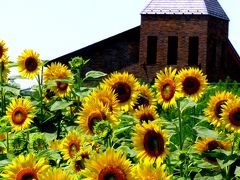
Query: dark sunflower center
x,y
142,100
146,117
153,143
31,64
62,86
234,116
79,165
19,115
49,94
168,90
191,85
3,66
93,118
213,145
218,108
123,91
26,174
111,173
73,149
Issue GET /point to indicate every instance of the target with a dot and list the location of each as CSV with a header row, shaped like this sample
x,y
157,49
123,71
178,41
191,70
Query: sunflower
x,y
91,114
62,76
48,95
25,167
231,114
209,144
125,87
214,107
168,88
144,170
145,114
20,113
3,49
107,97
55,144
108,165
29,64
145,97
71,145
56,174
5,69
78,162
150,142
193,82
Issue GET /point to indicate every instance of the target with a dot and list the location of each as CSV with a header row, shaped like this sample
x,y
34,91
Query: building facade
x,y
177,33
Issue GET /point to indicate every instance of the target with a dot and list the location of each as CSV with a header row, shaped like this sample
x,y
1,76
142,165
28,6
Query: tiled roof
x,y
195,7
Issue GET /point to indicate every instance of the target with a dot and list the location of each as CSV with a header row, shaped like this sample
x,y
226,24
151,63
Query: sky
x,y
57,27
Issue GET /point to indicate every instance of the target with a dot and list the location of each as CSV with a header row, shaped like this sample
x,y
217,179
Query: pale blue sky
x,y
56,27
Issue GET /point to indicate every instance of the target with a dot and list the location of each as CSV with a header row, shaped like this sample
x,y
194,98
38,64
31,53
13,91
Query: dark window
x,y
193,51
172,50
151,50
212,52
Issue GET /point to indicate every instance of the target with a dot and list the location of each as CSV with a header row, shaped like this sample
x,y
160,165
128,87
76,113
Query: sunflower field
x,y
72,126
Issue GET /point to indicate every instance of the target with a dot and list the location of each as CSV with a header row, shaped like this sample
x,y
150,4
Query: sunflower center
x,y
79,165
49,94
213,145
153,143
27,174
19,115
146,117
123,91
111,173
93,118
234,116
3,66
62,86
168,89
191,85
218,108
73,149
142,100
31,64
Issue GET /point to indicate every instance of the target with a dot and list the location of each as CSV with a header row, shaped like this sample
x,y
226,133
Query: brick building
x,y
176,33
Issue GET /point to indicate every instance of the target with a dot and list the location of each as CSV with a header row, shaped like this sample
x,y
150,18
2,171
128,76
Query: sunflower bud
x,y
103,129
38,142
18,144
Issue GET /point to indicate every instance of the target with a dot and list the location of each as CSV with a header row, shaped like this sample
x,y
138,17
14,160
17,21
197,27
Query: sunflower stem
x,y
180,126
1,83
7,143
79,86
40,93
233,143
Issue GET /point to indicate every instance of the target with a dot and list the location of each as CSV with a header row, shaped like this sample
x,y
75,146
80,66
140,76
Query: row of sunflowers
x,y
114,126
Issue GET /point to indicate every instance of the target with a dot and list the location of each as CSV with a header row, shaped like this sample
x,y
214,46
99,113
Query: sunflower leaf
x,y
60,105
186,103
94,74
205,132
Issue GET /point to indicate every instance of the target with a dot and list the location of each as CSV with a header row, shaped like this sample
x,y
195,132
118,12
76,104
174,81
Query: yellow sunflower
x,y
150,142
210,144
3,49
107,97
25,167
91,113
62,76
5,69
56,174
20,113
48,95
108,165
145,97
55,144
71,145
193,83
125,87
78,162
146,171
168,87
231,114
145,114
29,64
214,107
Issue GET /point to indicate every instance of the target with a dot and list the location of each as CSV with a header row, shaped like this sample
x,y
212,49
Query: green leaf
x,y
94,74
237,171
121,130
186,103
13,90
205,132
50,154
60,105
